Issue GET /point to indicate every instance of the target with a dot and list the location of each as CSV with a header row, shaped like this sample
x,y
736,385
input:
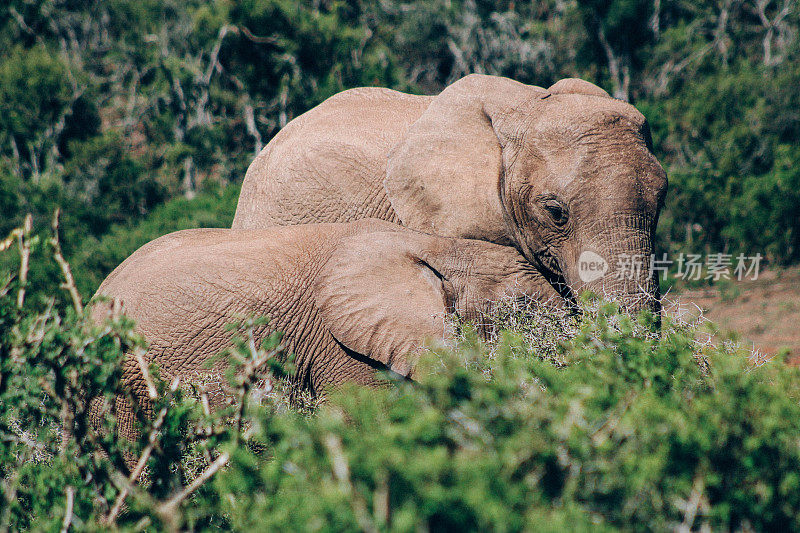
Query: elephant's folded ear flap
x,y
377,298
443,176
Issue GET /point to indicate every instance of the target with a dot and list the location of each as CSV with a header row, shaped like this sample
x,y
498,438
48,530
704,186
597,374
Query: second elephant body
x,y
350,298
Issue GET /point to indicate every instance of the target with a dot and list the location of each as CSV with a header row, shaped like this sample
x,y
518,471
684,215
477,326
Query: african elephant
x,y
349,298
555,172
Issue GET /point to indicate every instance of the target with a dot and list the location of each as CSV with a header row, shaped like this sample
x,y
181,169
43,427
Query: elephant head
x,y
381,293
565,174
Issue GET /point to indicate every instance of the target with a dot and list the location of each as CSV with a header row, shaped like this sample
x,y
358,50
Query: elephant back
x,y
328,164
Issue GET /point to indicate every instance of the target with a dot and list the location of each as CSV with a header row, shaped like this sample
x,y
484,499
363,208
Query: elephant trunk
x,y
616,264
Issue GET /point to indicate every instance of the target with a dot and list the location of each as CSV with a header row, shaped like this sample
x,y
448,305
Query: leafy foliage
x,y
60,378
94,257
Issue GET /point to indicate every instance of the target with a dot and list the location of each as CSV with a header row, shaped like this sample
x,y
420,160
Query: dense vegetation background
x,y
140,116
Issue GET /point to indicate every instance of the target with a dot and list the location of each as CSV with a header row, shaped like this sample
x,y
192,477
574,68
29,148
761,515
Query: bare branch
x,y
68,512
69,281
617,66
24,25
23,239
771,26
692,506
140,464
722,28
189,182
16,155
380,500
207,430
655,19
249,376
168,507
213,61
203,80
250,124
761,8
6,243
260,39
341,471
151,388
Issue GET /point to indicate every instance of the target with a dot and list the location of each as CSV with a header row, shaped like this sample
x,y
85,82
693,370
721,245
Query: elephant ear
x,y
379,299
444,176
576,86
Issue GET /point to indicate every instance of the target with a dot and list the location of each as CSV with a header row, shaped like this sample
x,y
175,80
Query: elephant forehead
x,y
596,168
575,115
603,145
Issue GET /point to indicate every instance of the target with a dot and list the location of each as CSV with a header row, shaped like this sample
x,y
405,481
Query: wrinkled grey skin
x,y
553,172
349,298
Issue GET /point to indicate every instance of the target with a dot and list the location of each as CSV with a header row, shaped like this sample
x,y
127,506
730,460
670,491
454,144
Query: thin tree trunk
x,y
655,20
771,26
250,123
617,66
189,185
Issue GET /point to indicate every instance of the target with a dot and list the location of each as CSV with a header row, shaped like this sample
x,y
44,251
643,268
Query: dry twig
x,y
140,464
249,376
68,510
69,281
341,471
23,238
693,506
138,353
168,507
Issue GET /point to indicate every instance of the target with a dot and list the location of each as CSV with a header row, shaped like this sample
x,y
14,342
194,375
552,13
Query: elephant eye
x,y
557,211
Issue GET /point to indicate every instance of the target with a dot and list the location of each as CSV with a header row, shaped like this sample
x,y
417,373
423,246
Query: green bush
x,y
633,433
34,93
626,428
60,462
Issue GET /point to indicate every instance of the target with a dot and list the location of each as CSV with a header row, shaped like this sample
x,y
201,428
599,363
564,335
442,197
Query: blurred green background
x,y
139,117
